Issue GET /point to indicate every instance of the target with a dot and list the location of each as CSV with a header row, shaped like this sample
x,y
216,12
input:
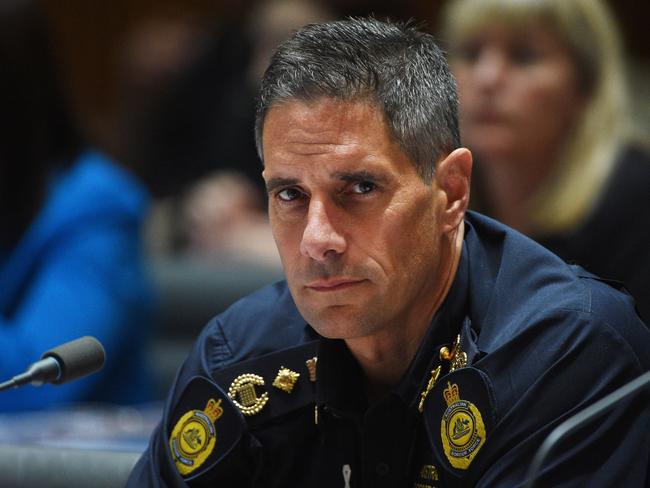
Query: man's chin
x,y
337,322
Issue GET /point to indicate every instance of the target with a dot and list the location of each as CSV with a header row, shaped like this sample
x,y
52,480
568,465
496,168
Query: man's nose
x,y
320,239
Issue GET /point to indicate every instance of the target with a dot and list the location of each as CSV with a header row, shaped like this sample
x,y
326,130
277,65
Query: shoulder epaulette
x,y
212,416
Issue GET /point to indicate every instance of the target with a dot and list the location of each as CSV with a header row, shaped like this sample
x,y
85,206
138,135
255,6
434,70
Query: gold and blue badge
x,y
194,436
461,428
204,427
459,416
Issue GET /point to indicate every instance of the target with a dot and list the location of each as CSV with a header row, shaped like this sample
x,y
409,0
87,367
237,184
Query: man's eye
x,y
289,194
363,187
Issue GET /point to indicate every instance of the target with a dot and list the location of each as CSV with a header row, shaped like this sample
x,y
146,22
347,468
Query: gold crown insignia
x,y
213,409
451,393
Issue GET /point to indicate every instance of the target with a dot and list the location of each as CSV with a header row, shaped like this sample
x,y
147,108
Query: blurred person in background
x,y
224,213
187,86
70,258
222,218
543,106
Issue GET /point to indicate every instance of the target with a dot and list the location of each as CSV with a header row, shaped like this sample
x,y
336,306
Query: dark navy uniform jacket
x,y
539,341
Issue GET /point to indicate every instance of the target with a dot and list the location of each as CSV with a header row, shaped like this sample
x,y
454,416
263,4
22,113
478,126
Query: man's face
x,y
356,227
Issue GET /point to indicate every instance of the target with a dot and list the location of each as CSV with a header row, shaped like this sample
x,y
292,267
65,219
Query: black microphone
x,y
64,363
581,418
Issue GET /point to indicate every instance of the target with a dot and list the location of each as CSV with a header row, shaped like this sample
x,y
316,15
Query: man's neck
x,y
385,357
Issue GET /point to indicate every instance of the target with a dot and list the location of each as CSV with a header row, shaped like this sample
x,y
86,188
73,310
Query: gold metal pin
x,y
311,366
456,357
286,379
435,374
242,393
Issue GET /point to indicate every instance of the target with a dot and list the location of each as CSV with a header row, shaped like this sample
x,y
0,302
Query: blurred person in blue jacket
x,y
70,224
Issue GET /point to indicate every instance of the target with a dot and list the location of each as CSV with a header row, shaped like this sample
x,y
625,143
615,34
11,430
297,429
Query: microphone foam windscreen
x,y
77,358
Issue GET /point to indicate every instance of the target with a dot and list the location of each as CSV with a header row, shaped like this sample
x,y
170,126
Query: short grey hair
x,y
392,65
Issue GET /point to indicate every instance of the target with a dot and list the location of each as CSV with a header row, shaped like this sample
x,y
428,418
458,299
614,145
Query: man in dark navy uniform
x,y
414,344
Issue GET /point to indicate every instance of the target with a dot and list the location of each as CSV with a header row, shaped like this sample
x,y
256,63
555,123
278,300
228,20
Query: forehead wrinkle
x,y
328,133
304,148
319,123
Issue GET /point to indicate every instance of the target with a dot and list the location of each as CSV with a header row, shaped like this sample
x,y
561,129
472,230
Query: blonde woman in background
x,y
544,110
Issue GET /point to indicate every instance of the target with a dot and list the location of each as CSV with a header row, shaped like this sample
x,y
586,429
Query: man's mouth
x,y
333,284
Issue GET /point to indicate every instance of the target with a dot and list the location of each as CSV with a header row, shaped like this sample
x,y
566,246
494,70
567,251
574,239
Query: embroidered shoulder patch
x,y
206,426
194,436
461,429
459,416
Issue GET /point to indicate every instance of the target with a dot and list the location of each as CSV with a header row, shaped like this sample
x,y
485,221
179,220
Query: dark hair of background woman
x,y
37,134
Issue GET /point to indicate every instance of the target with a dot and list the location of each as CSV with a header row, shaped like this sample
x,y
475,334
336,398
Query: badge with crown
x,y
461,429
194,437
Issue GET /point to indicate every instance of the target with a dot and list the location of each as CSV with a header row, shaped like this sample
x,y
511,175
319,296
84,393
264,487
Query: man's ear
x,y
453,176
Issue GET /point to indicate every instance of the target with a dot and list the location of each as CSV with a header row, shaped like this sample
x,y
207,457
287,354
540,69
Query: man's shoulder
x,y
256,358
543,329
261,323
612,308
516,283
510,274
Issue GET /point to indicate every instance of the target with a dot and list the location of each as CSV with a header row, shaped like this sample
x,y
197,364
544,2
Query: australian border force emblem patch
x,y
194,436
459,416
203,428
461,428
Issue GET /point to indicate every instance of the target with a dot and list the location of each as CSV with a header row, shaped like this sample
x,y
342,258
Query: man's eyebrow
x,y
361,175
278,182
